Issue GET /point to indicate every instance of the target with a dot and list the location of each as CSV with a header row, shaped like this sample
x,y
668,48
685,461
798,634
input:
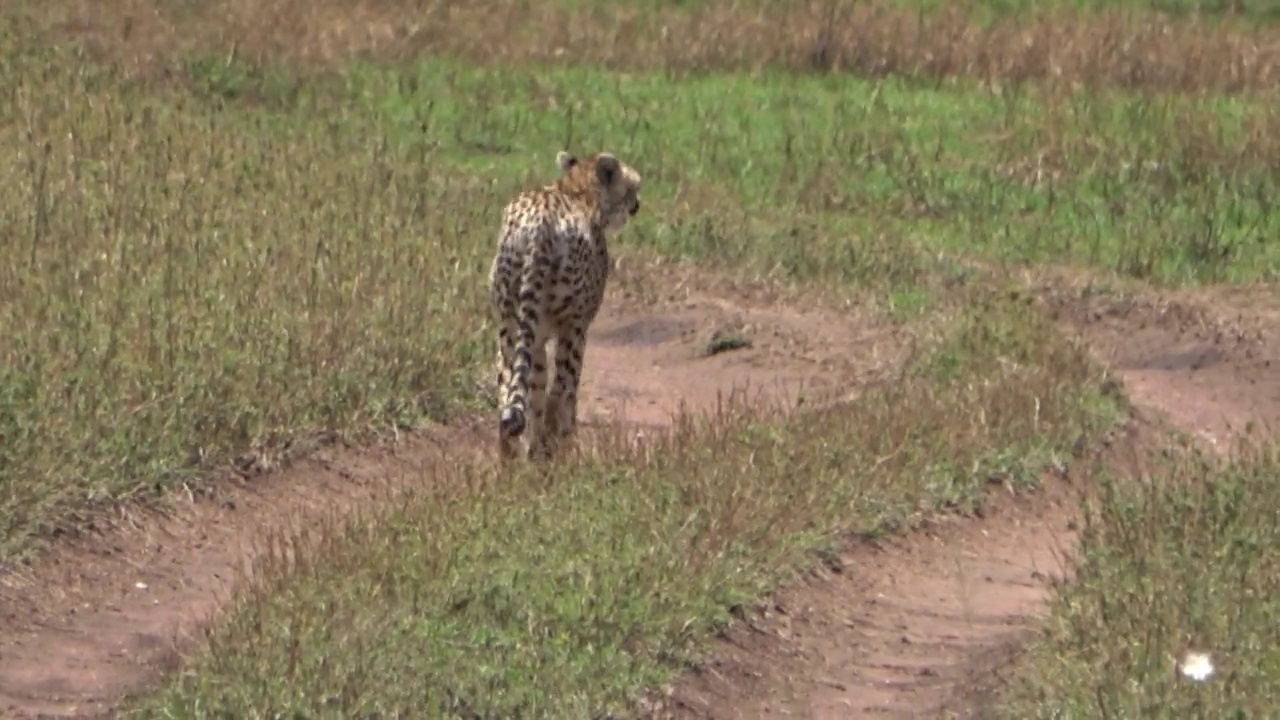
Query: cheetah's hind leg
x,y
562,405
511,423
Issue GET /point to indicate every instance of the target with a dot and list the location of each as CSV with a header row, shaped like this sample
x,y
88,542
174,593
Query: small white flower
x,y
1197,666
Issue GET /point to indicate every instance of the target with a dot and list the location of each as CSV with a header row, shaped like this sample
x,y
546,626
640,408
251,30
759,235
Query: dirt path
x,y
889,632
916,626
98,617
921,625
1207,362
101,616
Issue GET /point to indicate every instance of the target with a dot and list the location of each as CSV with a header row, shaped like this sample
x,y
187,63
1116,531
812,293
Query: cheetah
x,y
546,284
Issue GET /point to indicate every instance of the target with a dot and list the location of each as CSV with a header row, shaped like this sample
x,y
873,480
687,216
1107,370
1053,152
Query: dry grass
x,y
1122,46
183,288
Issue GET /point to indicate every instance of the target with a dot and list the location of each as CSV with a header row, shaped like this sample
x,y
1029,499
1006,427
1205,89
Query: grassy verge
x,y
1165,187
1162,187
568,595
1181,561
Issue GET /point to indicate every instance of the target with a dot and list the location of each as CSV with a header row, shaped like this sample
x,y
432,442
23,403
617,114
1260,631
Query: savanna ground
x,y
934,376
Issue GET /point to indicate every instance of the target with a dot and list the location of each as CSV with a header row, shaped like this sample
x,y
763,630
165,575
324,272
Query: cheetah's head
x,y
615,186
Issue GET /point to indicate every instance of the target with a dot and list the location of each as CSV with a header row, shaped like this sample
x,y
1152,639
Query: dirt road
x,y
915,626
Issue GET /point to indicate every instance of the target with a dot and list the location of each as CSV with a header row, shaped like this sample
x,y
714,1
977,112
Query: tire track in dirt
x,y
916,626
104,615
921,625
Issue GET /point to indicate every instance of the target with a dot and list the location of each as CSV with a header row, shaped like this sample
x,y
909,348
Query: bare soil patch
x,y
1207,361
103,615
705,343
921,625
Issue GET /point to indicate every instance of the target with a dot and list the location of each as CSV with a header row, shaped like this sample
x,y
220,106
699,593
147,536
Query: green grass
x,y
568,595
1170,188
1182,560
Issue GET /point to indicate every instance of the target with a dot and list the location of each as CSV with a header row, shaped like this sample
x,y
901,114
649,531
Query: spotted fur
x,y
546,285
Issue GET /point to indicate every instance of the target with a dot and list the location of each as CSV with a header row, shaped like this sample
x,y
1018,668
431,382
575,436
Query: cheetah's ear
x,y
565,160
606,168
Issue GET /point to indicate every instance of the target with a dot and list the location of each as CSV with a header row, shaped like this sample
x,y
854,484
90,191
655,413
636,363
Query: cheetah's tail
x,y
533,280
512,423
